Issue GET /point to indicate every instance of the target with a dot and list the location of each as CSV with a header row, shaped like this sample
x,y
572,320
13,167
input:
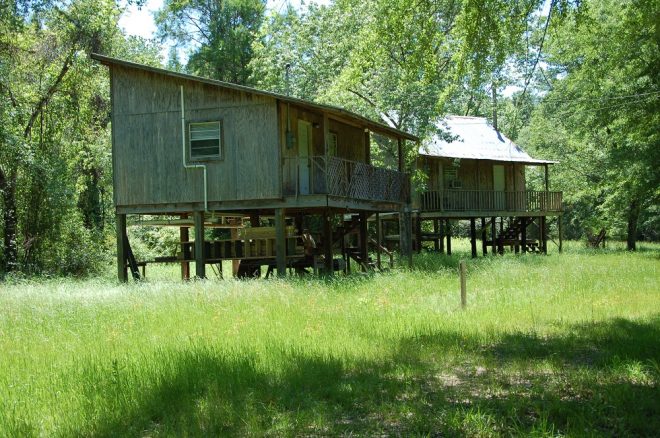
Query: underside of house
x,y
261,179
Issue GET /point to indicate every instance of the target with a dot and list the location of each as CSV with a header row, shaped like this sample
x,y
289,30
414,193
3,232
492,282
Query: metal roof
x,y
474,138
339,112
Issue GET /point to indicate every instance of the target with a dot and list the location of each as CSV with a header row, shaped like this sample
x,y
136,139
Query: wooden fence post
x,y
463,283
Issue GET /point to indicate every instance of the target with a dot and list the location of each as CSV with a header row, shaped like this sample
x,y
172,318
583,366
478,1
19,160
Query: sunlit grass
x,y
563,344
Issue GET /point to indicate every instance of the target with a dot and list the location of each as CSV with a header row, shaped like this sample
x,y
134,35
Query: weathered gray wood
x,y
524,234
484,236
280,242
148,164
122,250
544,235
405,235
200,263
561,235
448,232
379,240
493,232
184,236
364,238
463,275
473,237
327,244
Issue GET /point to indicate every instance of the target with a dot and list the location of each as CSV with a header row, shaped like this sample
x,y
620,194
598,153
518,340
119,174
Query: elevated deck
x,y
486,203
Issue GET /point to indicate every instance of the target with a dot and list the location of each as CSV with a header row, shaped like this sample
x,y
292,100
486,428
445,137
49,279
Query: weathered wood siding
x,y
473,174
147,155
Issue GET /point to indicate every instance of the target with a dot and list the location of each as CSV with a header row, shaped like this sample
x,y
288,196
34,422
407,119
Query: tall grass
x,y
560,345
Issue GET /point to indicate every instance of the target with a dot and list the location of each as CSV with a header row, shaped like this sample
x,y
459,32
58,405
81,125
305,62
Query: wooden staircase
x,y
511,236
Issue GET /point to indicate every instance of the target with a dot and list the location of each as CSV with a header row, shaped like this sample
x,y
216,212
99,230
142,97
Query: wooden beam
x,y
441,240
524,234
327,244
544,235
484,236
493,232
280,242
184,236
122,250
200,264
448,237
559,230
473,237
405,235
364,238
418,232
547,179
400,153
379,240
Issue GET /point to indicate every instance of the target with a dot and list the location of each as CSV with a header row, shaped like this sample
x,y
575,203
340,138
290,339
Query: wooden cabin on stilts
x,y
478,175
289,182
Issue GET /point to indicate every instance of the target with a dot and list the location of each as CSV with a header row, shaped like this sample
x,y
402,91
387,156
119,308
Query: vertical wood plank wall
x,y
147,156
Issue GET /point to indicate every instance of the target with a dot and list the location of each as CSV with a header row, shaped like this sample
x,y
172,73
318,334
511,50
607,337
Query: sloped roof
x,y
340,112
476,139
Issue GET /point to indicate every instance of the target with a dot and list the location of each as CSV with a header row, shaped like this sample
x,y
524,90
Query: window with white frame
x,y
205,140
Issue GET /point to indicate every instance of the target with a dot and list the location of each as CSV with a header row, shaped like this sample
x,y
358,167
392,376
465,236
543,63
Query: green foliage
x,y
218,34
602,114
564,350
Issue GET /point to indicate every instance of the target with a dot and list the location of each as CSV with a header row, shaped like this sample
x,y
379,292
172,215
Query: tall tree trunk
x,y
10,219
633,216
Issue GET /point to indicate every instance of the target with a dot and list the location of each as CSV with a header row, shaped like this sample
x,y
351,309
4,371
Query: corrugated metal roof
x,y
474,138
340,112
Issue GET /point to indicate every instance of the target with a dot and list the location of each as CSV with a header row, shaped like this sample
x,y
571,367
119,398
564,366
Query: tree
x,y
603,111
217,33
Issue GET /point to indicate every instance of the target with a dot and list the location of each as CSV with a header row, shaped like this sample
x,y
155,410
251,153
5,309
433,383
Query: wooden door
x,y
304,143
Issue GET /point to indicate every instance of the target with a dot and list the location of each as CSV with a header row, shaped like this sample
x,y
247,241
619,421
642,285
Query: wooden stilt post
x,y
364,239
448,232
473,237
493,232
184,236
500,244
559,231
441,240
484,236
418,232
436,231
405,235
122,250
463,275
280,242
524,235
379,240
327,242
544,235
200,264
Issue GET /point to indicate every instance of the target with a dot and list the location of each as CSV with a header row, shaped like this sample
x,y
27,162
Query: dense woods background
x,y
574,80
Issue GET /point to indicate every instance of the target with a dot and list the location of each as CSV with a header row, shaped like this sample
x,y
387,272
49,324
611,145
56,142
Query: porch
x,y
483,203
327,175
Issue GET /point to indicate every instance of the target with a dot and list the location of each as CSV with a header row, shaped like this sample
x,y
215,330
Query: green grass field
x,y
560,345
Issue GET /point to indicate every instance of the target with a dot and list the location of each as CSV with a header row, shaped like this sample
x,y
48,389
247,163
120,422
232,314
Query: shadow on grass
x,y
421,389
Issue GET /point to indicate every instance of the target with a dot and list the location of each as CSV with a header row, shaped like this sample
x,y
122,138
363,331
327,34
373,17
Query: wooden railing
x,y
340,177
488,200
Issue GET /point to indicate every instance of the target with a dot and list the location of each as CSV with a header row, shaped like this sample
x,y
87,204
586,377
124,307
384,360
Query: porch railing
x,y
339,177
488,200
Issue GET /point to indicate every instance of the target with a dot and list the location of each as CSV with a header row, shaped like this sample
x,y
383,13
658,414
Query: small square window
x,y
205,140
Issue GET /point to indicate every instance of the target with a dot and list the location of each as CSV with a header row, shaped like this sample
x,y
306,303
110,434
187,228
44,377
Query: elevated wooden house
x,y
202,153
476,173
